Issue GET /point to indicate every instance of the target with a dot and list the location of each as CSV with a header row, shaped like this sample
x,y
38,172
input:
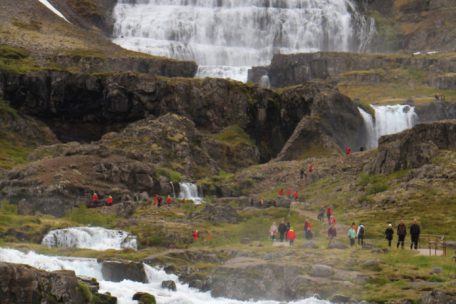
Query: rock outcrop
x,y
117,271
413,148
437,297
27,285
216,213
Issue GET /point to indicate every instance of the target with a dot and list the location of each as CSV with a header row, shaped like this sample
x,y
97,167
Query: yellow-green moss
x,y
234,136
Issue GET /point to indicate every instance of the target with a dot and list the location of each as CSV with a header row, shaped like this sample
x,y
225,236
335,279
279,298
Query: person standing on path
x,y
414,234
332,234
389,232
282,229
360,233
351,235
291,236
401,233
273,231
329,212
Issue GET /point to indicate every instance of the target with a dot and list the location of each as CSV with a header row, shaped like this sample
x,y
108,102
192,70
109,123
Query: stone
x,y
436,270
337,245
322,271
437,297
144,298
340,299
216,213
117,271
372,265
171,285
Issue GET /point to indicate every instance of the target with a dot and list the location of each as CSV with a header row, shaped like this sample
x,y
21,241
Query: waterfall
x,y
389,119
189,191
125,290
226,37
264,82
95,238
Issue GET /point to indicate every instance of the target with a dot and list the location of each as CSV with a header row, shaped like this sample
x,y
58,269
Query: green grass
x,y
94,217
16,60
234,136
12,154
172,175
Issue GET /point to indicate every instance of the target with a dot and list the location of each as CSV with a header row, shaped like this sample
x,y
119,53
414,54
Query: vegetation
x,y
15,60
234,136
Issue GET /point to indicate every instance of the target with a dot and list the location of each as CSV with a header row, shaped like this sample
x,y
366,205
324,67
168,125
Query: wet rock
x,y
171,285
144,298
437,297
340,299
117,271
323,271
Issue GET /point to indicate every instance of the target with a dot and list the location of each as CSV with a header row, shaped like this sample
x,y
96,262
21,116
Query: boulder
x,y
372,265
117,271
322,271
217,214
170,284
437,297
337,245
340,299
144,298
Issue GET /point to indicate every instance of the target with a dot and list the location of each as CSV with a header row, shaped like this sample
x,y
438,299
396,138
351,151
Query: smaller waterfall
x,y
239,73
264,82
95,238
189,191
389,119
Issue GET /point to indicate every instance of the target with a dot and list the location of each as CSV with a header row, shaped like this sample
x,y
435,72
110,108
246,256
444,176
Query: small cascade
x,y
125,290
189,191
95,238
389,119
264,82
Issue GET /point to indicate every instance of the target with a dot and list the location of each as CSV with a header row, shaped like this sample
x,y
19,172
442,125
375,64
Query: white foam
x,y
53,9
189,191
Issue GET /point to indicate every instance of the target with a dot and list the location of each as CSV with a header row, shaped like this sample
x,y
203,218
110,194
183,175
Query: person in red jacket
x,y
280,193
195,235
329,212
291,236
155,200
332,220
348,151
295,195
109,201
310,168
169,200
309,235
95,198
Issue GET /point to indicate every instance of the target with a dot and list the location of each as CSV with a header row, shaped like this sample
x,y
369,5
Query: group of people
x,y
285,232
158,201
95,201
415,232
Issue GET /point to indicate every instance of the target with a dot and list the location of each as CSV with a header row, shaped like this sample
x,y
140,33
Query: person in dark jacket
x,y
401,233
389,234
414,234
286,231
282,230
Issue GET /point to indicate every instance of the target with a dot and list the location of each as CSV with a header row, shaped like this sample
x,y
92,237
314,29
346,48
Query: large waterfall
x,y
389,119
226,37
125,290
189,191
96,238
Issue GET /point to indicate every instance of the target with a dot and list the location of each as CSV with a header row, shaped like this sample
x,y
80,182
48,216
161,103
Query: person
x,y
286,232
280,193
401,233
301,173
95,198
414,234
310,168
309,235
282,229
360,233
329,212
288,192
306,228
208,236
332,220
169,200
296,195
109,201
291,236
389,234
195,235
348,151
321,214
273,231
351,235
332,233
155,200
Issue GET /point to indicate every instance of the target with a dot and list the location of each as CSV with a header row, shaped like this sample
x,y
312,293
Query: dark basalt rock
x,y
170,284
117,271
217,214
144,298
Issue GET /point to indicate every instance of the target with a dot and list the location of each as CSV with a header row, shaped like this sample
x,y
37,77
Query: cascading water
x,y
125,290
226,37
95,238
389,119
189,191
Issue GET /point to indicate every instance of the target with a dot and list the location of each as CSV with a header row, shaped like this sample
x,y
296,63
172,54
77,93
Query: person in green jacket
x,y
351,235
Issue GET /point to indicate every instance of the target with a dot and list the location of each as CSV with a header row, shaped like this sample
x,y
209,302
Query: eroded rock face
x,y
27,285
437,297
117,271
413,148
217,214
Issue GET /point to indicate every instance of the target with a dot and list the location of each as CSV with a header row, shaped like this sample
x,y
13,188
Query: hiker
x,y
195,235
351,233
301,173
321,214
208,236
95,198
291,236
160,200
310,168
280,192
360,233
286,232
282,230
329,213
251,202
414,234
332,220
389,234
296,195
401,233
109,201
348,151
309,234
169,200
273,231
261,202
306,228
155,200
288,192
332,233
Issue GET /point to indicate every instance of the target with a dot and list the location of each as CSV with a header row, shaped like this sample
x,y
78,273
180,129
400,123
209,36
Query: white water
x,y
226,37
125,290
53,9
189,191
95,238
389,119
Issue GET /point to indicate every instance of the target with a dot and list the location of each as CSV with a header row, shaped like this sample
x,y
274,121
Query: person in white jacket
x,y
360,234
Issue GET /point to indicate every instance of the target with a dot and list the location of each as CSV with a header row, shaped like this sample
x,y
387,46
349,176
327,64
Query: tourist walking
x,y
332,220
288,226
401,233
389,232
169,200
109,201
195,235
282,230
273,231
360,233
309,234
291,236
332,233
351,235
321,214
329,213
414,234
